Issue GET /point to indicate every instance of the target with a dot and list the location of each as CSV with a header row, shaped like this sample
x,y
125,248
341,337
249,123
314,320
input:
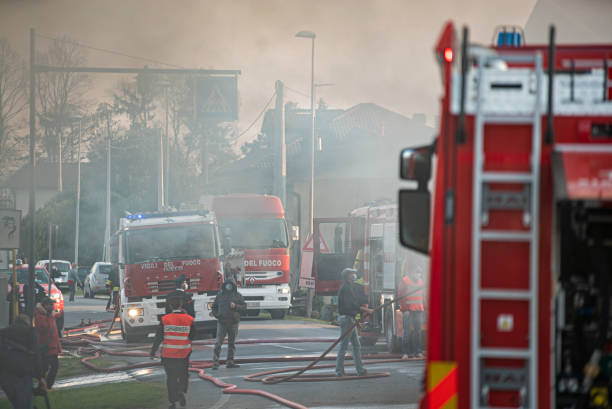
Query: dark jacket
x,y
222,306
188,305
19,351
350,298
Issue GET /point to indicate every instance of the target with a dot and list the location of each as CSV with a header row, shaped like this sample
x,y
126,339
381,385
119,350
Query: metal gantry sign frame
x,y
36,69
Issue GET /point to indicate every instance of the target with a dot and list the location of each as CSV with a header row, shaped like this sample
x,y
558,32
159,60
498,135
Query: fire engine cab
x,y
521,225
150,251
367,241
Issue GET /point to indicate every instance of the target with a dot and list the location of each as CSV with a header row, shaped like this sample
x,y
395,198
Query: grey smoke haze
x,y
373,51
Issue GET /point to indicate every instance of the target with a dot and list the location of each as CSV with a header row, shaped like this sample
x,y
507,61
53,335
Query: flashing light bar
x,y
150,215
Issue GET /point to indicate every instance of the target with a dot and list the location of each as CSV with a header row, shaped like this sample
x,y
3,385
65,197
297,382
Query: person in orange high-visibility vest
x,y
411,288
176,330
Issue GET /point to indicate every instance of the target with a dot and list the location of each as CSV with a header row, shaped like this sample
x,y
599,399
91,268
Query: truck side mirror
x,y
295,233
415,204
227,241
415,165
414,214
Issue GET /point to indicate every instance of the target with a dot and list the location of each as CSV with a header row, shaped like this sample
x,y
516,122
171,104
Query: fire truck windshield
x,y
256,233
171,243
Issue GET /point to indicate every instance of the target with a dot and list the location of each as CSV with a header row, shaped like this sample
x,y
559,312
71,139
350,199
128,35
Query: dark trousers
x,y
72,291
411,340
18,390
50,367
223,329
177,377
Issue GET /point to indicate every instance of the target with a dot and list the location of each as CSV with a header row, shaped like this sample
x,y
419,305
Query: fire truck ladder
x,y
524,380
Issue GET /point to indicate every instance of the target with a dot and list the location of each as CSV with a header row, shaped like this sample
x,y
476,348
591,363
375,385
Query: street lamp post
x,y
312,36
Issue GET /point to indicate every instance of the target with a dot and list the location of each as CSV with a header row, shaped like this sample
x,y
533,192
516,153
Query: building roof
x,y
359,141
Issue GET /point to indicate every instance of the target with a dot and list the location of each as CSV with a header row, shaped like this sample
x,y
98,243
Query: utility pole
x,y
78,201
280,147
108,186
31,202
167,158
160,172
59,159
311,35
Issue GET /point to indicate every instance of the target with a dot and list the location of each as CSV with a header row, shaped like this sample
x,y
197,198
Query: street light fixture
x,y
312,36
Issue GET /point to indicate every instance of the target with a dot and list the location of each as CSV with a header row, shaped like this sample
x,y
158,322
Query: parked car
x,y
95,283
42,278
61,276
83,272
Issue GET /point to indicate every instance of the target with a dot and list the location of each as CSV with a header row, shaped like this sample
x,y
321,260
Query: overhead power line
x,y
108,51
297,92
258,116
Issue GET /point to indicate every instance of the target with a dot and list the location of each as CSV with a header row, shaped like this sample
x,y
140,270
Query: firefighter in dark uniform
x,y
181,286
176,330
226,309
113,288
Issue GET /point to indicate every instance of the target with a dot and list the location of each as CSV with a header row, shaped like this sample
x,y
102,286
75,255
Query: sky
x,y
378,51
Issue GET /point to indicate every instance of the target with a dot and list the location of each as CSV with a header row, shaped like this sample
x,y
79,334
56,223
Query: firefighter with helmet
x,y
176,330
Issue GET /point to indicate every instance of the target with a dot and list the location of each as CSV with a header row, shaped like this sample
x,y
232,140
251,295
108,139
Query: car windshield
x,y
105,269
256,233
171,243
62,267
41,276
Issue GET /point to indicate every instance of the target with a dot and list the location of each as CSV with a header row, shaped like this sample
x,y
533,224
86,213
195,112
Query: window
x,y
171,243
256,233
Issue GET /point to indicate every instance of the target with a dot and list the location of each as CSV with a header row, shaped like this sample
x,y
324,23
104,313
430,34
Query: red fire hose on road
x,y
85,341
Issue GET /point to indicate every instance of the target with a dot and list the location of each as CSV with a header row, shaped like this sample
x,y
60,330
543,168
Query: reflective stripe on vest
x,y
176,335
414,301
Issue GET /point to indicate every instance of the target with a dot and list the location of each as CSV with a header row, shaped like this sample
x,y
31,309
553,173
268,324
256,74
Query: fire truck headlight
x,y
283,290
135,312
55,296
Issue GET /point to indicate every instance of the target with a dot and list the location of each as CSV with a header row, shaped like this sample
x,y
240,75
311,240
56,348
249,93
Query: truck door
x,y
343,237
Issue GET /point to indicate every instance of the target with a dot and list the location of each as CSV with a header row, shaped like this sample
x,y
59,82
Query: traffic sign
x,y
10,220
217,98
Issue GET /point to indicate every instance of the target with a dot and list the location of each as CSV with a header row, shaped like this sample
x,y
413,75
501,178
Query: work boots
x,y
231,364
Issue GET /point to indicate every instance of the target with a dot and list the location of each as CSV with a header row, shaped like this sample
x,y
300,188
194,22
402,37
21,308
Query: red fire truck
x,y
366,240
519,304
256,226
151,250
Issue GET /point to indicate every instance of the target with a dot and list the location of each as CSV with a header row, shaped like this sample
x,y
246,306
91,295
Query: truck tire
x,y
278,314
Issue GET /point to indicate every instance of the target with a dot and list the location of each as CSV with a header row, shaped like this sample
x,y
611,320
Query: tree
x,y
136,98
13,102
60,96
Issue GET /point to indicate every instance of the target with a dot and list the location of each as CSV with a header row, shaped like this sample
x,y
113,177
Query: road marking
x,y
286,347
221,402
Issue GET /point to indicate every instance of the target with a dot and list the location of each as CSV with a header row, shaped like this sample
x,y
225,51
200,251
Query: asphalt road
x,y
399,390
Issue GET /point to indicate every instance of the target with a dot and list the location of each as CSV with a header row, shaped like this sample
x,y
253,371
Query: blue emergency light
x,y
509,37
140,216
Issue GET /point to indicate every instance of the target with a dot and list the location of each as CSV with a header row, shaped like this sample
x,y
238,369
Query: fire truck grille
x,y
166,285
254,298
